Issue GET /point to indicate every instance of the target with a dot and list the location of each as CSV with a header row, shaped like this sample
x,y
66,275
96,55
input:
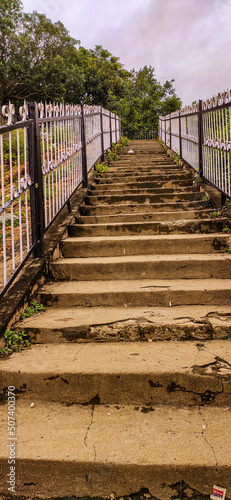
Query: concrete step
x,y
145,245
134,228
141,207
128,324
152,175
101,186
139,217
142,198
141,191
158,373
170,267
89,451
136,177
137,293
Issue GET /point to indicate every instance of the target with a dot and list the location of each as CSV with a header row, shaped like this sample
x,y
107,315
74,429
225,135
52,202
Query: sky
x,y
185,40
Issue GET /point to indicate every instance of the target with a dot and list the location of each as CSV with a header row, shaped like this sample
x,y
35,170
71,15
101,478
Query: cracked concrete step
x,y
144,227
128,324
100,186
139,217
160,373
142,198
108,177
142,191
148,207
136,293
101,449
153,175
127,267
134,245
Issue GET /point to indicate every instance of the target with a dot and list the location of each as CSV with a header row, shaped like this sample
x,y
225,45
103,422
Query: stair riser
x,y
150,176
109,248
155,298
141,185
152,207
155,217
137,332
124,388
147,228
146,270
142,198
93,479
141,191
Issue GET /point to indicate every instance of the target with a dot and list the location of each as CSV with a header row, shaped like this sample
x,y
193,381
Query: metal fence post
x,y
200,139
102,137
170,132
36,188
180,139
115,129
110,131
165,131
84,150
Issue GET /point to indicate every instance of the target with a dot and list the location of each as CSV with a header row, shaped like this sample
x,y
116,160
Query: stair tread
x,y
55,317
144,258
165,437
138,285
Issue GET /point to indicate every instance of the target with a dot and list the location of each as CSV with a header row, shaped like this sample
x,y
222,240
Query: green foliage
x,y
228,250
34,308
14,342
199,180
112,156
206,196
124,141
176,157
39,60
225,229
101,167
214,214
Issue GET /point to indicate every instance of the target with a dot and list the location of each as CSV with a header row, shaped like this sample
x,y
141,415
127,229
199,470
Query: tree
x,y
144,99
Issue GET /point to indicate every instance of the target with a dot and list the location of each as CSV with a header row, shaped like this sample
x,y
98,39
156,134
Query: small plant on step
x,y
199,180
227,250
213,215
206,196
100,168
225,230
176,157
124,141
112,156
14,342
34,308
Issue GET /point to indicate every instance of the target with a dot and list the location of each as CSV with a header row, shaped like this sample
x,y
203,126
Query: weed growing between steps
x,y
17,341
112,155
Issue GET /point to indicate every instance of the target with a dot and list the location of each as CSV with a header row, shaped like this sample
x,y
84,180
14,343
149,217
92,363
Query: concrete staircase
x,y
120,408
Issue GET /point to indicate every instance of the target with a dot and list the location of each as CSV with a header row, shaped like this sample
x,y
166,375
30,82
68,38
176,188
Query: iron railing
x,y
141,136
201,135
44,158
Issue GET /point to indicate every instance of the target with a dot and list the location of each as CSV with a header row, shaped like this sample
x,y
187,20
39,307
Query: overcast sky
x,y
188,40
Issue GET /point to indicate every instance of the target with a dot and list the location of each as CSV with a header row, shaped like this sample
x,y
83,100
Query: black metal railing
x,y
44,158
201,135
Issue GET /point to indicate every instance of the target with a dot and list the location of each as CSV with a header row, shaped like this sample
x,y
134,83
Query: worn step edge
x,y
116,324
143,216
173,373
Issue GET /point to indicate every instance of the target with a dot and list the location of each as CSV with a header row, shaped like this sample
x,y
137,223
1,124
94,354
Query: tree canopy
x,y
39,60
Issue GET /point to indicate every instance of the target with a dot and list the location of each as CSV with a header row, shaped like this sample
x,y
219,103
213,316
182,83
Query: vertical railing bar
x,y
3,215
19,199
